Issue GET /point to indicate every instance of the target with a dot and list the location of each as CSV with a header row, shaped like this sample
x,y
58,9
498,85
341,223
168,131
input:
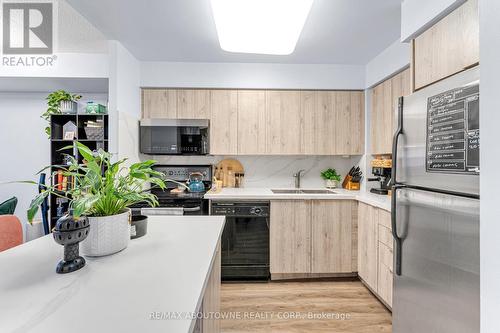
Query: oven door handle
x,y
192,209
159,211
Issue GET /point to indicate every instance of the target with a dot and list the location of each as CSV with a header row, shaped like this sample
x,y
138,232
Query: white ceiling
x,y
336,31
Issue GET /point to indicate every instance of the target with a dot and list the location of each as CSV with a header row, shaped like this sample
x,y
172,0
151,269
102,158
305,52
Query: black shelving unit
x,y
59,206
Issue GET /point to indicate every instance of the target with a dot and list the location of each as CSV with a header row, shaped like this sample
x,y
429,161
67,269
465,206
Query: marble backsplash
x,y
274,171
260,171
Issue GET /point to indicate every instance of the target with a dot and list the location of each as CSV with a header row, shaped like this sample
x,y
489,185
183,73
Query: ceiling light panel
x,y
260,26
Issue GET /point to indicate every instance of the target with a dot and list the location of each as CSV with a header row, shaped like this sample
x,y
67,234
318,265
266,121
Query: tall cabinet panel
x,y
193,104
284,122
224,122
252,122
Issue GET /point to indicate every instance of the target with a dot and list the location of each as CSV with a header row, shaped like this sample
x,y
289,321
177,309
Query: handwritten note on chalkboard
x,y
453,131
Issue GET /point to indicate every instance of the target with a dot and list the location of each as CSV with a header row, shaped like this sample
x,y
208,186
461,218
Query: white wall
x,y
25,148
490,160
239,75
388,62
80,49
418,15
125,102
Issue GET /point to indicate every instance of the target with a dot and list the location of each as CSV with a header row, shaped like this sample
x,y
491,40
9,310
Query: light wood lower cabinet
x,y
290,236
312,236
211,299
375,251
367,244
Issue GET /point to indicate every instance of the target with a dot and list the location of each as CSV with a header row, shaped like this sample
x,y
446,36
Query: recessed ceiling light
x,y
260,26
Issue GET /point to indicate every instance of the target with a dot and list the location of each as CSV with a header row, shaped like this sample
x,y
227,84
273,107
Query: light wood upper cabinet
x,y
252,122
333,122
290,236
224,122
367,244
159,103
448,47
331,225
274,122
193,104
284,122
349,123
385,98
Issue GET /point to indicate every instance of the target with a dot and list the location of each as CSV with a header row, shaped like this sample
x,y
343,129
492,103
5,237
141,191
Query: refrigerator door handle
x,y
398,132
399,241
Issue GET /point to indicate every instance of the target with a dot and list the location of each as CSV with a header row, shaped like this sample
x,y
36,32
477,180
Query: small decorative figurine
x,y
69,232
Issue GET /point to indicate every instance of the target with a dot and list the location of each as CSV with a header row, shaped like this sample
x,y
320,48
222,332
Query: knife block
x,y
348,184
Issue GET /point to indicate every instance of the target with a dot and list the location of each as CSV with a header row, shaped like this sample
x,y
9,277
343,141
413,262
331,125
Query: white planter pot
x,y
68,107
330,183
107,235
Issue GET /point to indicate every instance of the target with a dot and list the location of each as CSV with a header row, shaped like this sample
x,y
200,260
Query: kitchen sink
x,y
317,192
296,191
286,191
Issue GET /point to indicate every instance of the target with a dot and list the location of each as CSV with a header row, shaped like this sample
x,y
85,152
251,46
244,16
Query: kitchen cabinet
x,y
375,251
273,122
448,47
385,98
252,122
367,244
284,122
333,122
193,104
223,122
331,229
159,103
290,236
313,237
211,298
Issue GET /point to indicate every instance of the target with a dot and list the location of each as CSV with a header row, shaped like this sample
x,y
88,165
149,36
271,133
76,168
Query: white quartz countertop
x,y
380,201
164,271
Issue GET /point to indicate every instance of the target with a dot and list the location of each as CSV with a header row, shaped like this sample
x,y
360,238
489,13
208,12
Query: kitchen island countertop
x,y
135,290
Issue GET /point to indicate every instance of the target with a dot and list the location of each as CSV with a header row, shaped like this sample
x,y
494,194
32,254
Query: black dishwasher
x,y
245,239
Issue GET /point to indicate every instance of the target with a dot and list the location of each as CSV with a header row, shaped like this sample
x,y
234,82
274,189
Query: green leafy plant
x,y
94,192
330,174
54,100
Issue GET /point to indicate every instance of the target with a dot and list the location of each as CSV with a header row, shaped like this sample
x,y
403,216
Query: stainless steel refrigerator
x,y
435,208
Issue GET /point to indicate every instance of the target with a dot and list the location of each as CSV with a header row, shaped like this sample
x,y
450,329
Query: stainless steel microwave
x,y
174,136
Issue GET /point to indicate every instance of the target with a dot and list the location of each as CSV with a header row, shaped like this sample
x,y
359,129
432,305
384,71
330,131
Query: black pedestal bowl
x,y
69,232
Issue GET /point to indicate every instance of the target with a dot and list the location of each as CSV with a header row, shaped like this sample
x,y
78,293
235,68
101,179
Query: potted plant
x,y
331,177
102,191
59,102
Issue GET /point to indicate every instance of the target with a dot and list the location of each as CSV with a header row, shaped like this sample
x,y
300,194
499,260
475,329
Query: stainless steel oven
x,y
174,136
245,239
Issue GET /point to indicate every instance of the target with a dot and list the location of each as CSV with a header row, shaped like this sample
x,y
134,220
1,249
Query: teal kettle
x,y
196,183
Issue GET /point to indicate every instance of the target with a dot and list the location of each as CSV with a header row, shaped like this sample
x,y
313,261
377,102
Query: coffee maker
x,y
383,175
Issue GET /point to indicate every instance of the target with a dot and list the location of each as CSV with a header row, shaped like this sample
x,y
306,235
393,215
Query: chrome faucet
x,y
297,177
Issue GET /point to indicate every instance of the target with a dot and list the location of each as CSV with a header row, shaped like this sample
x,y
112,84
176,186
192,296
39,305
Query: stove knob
x,y
257,210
